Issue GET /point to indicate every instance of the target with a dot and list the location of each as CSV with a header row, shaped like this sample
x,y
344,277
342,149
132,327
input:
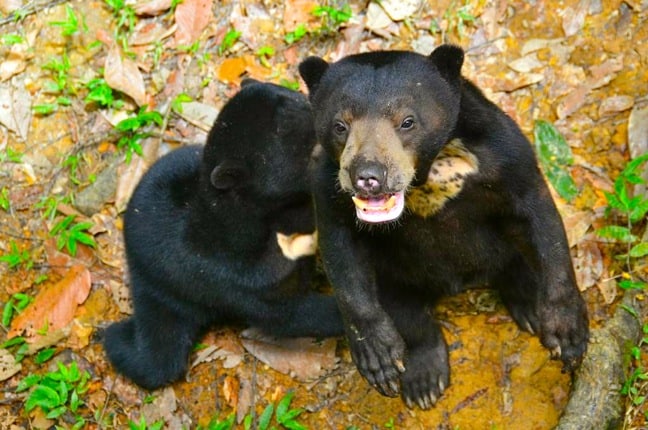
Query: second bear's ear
x,y
249,81
311,70
227,175
448,60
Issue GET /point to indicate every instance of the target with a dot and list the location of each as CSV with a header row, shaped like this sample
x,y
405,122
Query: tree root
x,y
596,402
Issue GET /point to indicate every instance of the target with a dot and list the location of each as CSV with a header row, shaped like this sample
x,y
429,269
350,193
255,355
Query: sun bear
x,y
426,188
208,238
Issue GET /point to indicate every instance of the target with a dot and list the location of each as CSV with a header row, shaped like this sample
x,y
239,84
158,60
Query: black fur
x,y
501,230
200,234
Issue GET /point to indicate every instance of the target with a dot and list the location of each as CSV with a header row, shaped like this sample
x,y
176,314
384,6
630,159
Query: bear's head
x,y
383,117
258,149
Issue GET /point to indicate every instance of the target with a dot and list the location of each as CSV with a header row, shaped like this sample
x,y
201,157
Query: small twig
x,y
105,406
19,236
254,384
30,10
164,138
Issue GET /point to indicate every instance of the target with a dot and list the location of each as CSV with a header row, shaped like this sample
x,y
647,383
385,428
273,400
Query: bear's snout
x,y
368,177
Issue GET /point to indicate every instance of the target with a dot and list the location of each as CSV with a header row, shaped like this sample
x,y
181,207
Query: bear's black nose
x,y
369,177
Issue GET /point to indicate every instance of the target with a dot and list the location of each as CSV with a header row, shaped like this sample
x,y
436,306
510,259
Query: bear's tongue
x,y
379,209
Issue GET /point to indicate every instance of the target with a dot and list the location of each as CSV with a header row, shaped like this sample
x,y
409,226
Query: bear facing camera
x,y
208,238
425,189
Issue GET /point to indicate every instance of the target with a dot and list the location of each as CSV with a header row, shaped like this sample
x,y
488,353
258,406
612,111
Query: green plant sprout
x,y
72,163
69,235
11,156
126,18
49,206
555,156
176,104
283,415
458,18
143,425
264,53
230,38
292,85
16,258
19,344
634,387
59,85
296,35
5,203
131,128
632,210
190,49
174,5
70,26
102,94
57,392
15,305
12,39
44,355
332,18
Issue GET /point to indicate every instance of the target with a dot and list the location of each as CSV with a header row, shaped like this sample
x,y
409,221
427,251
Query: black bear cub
x,y
426,188
201,233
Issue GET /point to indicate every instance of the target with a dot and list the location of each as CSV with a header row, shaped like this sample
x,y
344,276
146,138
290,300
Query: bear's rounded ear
x,y
311,70
226,176
249,81
448,60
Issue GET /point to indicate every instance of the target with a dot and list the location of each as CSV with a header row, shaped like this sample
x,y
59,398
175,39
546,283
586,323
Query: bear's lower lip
x,y
385,208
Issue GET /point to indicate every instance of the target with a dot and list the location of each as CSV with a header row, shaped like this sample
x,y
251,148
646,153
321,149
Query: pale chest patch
x,y
445,180
297,245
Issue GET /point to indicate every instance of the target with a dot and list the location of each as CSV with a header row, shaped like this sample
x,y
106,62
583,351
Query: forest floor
x,y
78,83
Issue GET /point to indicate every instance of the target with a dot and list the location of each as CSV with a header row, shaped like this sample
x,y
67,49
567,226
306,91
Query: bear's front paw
x,y
426,376
565,332
378,351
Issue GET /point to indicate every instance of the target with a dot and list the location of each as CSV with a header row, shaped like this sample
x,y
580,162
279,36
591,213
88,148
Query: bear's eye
x,y
407,123
340,127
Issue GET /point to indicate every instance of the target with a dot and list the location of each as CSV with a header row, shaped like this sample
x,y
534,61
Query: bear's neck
x,y
220,225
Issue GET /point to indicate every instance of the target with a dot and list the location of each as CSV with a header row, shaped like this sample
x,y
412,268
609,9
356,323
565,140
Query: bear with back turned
x,y
201,233
425,188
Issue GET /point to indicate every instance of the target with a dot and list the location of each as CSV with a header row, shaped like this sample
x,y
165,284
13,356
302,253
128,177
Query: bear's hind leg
x,y
427,372
152,347
312,314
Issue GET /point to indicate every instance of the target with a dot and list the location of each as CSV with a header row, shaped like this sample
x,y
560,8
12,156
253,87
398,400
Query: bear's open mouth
x,y
379,209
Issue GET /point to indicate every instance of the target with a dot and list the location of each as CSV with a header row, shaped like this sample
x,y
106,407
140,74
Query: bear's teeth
x,y
384,203
378,210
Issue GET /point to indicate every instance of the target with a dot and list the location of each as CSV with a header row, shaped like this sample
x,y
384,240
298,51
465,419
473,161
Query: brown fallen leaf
x,y
588,264
574,17
226,346
130,174
149,32
153,7
192,16
301,358
122,74
61,261
231,70
8,365
54,306
8,6
231,391
164,407
298,12
15,109
245,396
573,101
614,104
638,143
